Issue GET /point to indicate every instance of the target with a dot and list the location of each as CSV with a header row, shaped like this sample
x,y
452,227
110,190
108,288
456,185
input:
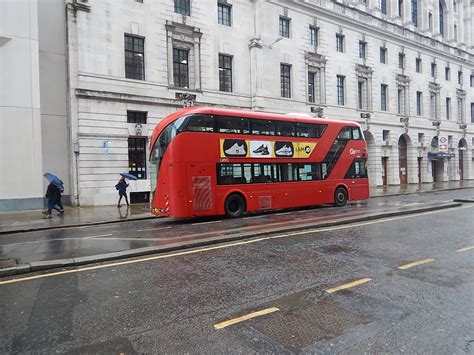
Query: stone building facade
x,y
403,69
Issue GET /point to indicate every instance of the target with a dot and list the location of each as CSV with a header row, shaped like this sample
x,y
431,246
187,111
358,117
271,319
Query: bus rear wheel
x,y
234,206
340,197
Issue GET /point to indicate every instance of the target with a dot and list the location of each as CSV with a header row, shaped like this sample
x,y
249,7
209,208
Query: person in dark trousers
x,y
122,189
53,194
59,202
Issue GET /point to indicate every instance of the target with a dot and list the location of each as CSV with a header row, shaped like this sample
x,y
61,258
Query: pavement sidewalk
x,y
32,220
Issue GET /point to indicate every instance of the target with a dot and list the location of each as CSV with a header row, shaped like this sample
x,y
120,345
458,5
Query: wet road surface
x,y
102,239
417,295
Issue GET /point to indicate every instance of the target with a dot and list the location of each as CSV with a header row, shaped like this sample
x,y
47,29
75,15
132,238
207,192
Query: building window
x,y
418,65
401,60
225,73
401,100
180,68
313,35
472,114
383,55
136,117
448,108
182,7
362,103
362,49
285,80
430,21
223,14
339,42
284,27
385,135
400,8
447,73
459,77
433,70
441,18
472,81
137,157
383,97
419,103
134,57
383,6
414,12
456,33
340,89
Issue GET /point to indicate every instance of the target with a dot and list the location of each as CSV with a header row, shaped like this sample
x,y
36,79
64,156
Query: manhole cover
x,y
301,327
4,263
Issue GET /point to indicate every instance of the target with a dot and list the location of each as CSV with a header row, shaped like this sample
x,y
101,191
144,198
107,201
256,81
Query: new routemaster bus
x,y
210,161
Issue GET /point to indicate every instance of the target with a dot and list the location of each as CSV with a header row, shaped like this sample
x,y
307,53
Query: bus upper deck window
x,y
199,123
346,133
283,128
229,124
356,133
263,127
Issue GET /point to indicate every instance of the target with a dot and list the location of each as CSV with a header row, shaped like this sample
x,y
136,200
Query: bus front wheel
x,y
340,197
234,206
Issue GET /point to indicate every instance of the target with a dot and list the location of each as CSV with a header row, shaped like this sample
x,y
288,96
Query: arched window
x,y
414,12
441,18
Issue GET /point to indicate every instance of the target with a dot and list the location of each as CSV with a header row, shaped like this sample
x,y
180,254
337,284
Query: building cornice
x,y
397,35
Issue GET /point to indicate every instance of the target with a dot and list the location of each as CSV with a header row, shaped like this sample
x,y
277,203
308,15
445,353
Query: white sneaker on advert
x,y
236,150
285,150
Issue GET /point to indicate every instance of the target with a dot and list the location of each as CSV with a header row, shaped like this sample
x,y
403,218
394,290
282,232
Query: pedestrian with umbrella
x,y
53,194
122,185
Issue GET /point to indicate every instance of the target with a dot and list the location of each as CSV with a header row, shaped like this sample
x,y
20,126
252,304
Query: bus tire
x,y
340,197
234,206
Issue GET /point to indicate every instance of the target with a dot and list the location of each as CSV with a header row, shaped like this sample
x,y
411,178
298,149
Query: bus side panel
x,y
201,177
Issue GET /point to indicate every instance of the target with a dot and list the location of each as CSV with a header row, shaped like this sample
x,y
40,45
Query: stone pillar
x,y
197,63
169,44
21,181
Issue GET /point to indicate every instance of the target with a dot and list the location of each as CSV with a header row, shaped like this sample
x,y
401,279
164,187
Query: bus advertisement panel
x,y
208,161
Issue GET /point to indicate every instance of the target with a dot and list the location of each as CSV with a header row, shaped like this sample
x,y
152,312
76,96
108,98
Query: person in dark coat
x,y
53,195
122,190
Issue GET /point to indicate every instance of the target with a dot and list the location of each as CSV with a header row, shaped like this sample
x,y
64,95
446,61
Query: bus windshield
x,y
159,149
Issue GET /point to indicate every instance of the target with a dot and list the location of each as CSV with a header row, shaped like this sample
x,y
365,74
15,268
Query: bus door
x,y
201,178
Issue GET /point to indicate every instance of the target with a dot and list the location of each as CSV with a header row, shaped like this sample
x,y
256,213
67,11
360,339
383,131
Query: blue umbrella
x,y
129,176
53,179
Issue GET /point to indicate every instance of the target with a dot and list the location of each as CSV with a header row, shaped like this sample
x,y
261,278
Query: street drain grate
x,y
301,327
4,263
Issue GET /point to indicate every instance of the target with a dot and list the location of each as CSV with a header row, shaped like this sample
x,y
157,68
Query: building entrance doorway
x,y
420,169
402,157
462,151
384,171
437,169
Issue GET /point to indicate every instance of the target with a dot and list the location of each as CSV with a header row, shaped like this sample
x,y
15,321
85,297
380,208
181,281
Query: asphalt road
x,y
102,239
179,303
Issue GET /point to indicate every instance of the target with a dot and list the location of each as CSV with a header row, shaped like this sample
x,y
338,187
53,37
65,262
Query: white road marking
x,y
201,223
98,236
152,229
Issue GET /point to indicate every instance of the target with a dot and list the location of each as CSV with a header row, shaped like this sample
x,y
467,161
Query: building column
x,y
169,44
197,63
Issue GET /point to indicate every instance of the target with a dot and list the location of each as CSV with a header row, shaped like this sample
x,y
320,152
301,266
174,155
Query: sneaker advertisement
x,y
239,148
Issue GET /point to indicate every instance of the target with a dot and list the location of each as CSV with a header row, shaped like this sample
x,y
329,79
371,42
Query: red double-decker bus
x,y
210,161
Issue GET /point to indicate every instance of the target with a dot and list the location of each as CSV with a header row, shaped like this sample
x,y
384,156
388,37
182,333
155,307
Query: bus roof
x,y
295,117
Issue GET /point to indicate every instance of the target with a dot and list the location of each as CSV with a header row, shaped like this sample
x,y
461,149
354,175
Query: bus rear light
x,y
167,203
